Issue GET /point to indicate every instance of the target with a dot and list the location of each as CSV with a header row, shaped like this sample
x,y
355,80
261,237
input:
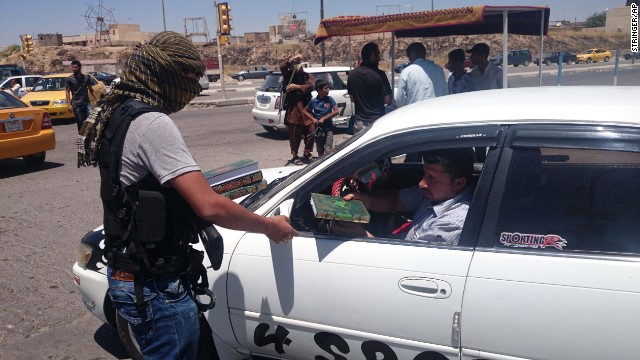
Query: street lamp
x,y
164,22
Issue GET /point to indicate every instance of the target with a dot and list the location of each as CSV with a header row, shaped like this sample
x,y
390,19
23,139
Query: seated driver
x,y
439,202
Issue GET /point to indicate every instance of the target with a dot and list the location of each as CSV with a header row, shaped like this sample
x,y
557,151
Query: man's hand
x,y
70,108
280,231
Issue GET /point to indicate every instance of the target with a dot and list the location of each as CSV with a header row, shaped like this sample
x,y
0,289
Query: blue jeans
x,y
170,326
81,112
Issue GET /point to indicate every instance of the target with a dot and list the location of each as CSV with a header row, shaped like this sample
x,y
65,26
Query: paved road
x,y
44,213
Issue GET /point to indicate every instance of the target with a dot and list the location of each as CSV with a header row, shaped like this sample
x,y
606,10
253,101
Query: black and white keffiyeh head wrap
x,y
156,74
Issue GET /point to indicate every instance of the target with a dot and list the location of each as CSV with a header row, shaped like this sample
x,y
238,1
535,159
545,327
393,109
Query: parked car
x,y
26,83
204,83
628,55
7,70
267,101
554,58
106,78
515,58
25,131
254,72
49,93
549,247
593,55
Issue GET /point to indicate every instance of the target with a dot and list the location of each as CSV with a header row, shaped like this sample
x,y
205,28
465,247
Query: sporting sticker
x,y
532,240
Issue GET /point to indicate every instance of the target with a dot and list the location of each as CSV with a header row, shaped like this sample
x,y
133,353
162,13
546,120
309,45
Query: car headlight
x,y
60,102
83,254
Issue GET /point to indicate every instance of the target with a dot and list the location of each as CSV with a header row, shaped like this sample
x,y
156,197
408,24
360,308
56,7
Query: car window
x,y
9,102
272,83
571,200
50,84
383,167
31,81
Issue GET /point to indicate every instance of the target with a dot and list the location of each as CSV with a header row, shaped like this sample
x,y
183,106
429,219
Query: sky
x,y
67,17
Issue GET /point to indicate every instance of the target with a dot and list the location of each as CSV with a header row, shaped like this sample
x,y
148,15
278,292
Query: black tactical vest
x,y
148,228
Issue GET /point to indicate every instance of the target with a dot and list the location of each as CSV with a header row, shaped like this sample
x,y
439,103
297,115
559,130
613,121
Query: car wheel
x,y
126,337
570,62
240,78
526,63
515,65
606,59
547,62
270,129
589,60
35,159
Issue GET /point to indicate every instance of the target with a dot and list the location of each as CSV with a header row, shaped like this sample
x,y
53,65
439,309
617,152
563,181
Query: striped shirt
x,y
439,224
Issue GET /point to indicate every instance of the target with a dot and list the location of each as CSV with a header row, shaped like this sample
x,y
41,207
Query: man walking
x,y
368,88
421,80
78,89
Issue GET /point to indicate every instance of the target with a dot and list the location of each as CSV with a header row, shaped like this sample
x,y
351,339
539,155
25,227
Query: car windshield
x,y
49,84
586,52
9,102
255,200
272,83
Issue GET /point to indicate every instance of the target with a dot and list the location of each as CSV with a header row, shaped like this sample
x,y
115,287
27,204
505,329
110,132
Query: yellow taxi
x,y
49,94
594,55
25,131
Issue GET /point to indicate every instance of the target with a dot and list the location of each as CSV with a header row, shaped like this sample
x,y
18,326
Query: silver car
x,y
266,107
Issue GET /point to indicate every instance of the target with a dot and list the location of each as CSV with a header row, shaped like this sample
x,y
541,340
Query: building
x,y
619,20
118,35
256,37
49,39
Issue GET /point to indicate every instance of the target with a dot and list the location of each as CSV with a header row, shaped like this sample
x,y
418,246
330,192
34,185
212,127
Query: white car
x,y
26,83
266,106
546,267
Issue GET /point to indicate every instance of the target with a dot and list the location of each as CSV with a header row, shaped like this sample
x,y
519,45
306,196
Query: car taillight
x,y
46,121
277,104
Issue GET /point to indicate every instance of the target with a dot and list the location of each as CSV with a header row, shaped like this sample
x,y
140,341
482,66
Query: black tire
x,y
547,62
270,129
240,78
35,159
126,338
526,63
515,65
589,61
569,62
606,59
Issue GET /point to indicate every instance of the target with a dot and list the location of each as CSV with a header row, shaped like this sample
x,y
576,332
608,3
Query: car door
x,y
555,274
327,296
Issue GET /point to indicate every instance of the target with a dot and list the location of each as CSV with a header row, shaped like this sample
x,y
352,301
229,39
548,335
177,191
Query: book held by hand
x,y
336,208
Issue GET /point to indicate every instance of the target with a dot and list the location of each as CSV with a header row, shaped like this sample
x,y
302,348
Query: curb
x,y
200,104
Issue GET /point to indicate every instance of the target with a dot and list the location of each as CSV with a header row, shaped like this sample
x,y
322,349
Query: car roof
x,y
57,75
607,105
319,69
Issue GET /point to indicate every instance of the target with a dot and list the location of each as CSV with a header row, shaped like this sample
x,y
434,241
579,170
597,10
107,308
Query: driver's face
x,y
437,185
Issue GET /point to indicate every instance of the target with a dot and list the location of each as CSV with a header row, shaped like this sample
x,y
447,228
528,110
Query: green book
x,y
231,171
245,190
336,208
238,182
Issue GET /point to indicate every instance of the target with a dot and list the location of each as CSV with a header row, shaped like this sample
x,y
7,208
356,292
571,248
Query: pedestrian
x,y
459,80
421,80
368,88
78,88
154,194
15,87
322,109
485,75
297,86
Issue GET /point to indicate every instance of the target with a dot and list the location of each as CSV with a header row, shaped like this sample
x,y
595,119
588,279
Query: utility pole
x,y
164,22
322,43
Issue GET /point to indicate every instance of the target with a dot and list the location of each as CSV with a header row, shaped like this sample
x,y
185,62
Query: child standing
x,y
322,109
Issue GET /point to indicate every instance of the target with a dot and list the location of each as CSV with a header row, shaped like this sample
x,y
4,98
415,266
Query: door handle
x,y
346,96
427,287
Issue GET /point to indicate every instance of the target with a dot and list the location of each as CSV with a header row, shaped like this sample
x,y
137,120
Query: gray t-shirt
x,y
154,145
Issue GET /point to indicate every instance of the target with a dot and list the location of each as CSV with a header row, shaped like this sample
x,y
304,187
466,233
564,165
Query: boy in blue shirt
x,y
322,109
